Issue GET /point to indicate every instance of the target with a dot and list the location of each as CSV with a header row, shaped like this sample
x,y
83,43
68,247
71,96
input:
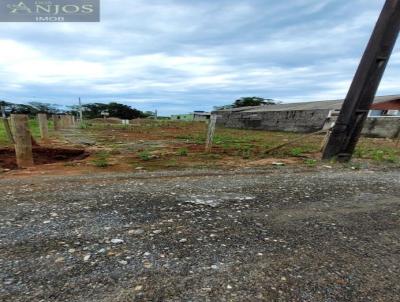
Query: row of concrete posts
x,y
18,133
63,121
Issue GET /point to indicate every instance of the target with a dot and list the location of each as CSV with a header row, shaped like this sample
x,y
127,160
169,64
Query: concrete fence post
x,y
62,122
43,126
3,111
67,121
23,140
8,130
211,132
56,122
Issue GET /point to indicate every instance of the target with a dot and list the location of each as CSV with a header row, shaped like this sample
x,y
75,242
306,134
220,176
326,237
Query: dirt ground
x,y
243,235
143,213
166,145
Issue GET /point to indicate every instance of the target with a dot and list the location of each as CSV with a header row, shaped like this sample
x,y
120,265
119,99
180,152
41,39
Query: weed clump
x,y
101,159
183,152
310,162
145,155
296,152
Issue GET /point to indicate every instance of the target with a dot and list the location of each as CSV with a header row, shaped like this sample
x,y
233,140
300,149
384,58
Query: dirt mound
x,y
41,156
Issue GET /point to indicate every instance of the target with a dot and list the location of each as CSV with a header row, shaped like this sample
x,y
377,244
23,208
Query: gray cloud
x,y
179,56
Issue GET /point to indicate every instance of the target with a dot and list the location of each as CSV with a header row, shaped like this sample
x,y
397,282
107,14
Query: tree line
x,y
248,102
90,111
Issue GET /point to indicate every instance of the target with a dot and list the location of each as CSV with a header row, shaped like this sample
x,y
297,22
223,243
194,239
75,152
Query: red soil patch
x,y
42,156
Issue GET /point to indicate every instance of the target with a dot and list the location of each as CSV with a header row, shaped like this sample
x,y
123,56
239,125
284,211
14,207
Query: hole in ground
x,y
41,156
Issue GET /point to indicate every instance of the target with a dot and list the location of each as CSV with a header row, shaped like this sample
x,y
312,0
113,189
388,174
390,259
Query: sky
x,y
177,56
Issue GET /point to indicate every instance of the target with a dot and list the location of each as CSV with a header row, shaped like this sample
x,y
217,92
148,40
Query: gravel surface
x,y
223,236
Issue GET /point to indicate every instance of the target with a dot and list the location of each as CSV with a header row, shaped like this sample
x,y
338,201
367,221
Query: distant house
x,y
196,116
201,116
309,117
386,107
182,117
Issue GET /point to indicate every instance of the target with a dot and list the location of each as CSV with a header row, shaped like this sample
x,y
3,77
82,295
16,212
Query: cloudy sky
x,y
182,55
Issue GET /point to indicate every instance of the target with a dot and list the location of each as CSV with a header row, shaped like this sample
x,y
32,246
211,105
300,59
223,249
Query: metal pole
x,y
348,127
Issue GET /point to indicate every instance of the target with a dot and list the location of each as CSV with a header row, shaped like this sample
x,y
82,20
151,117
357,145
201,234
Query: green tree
x,y
252,101
114,109
45,107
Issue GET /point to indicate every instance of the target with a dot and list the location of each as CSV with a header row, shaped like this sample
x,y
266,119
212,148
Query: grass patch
x,y
33,127
166,138
296,152
379,153
101,159
310,162
183,152
84,125
145,155
3,136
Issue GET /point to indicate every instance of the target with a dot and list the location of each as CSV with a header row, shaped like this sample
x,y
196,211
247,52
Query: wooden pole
x,y
23,142
8,130
356,106
43,126
211,132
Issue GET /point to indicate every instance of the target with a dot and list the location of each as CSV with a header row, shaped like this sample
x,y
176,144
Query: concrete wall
x,y
292,121
385,127
306,121
182,117
201,118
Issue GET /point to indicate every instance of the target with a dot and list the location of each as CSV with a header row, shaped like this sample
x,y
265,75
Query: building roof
x,y
318,105
202,113
387,105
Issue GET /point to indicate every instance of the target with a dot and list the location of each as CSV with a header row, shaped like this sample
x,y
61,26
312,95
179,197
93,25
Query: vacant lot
x,y
215,236
152,145
230,226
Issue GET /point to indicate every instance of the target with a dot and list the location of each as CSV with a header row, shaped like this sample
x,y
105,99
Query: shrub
x,y
144,155
296,152
378,155
183,152
101,160
310,162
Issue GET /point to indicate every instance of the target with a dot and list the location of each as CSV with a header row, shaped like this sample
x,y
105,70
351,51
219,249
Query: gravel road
x,y
194,236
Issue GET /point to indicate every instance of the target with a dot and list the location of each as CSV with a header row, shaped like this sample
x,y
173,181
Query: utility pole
x,y
347,130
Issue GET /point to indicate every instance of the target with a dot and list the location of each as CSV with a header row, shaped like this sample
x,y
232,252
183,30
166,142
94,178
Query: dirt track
x,y
265,236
